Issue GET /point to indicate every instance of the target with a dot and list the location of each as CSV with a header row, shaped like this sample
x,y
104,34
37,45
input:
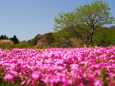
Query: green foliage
x,y
95,14
24,44
65,38
85,20
59,37
104,36
7,46
50,38
4,83
104,77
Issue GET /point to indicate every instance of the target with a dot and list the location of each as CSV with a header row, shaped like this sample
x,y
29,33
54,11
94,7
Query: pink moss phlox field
x,y
59,66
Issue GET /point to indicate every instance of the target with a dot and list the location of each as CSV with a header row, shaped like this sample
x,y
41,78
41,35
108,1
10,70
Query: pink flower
x,y
81,84
98,83
9,78
35,75
54,66
14,73
23,83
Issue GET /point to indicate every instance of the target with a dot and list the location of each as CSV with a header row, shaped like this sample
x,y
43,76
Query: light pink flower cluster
x,y
59,66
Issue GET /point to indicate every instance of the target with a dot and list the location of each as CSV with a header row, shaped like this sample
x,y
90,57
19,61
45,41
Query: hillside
x,y
112,27
102,37
66,38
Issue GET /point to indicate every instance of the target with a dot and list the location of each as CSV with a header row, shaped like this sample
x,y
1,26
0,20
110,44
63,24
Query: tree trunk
x,y
89,40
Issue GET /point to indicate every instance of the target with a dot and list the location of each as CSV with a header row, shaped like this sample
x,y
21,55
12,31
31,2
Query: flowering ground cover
x,y
59,66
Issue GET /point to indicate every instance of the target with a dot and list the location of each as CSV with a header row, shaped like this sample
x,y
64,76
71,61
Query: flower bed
x,y
59,66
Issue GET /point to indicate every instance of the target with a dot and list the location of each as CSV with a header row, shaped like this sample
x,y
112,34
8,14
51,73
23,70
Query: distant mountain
x,y
112,27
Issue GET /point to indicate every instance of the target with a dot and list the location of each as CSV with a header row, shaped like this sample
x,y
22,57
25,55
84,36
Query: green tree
x,y
85,19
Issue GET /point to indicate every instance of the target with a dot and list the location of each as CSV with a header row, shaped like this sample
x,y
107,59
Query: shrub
x,y
6,42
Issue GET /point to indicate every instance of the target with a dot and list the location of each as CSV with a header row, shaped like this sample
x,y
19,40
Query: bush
x,y
104,37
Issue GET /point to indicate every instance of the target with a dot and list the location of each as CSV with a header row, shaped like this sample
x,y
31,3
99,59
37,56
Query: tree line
x,y
14,39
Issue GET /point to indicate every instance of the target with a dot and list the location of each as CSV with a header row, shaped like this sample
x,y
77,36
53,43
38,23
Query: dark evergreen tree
x,y
5,37
2,37
14,39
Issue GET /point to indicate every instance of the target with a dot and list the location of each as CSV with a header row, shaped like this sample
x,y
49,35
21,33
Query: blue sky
x,y
27,18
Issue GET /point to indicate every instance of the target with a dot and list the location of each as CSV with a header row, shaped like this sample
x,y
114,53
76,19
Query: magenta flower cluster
x,y
59,66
